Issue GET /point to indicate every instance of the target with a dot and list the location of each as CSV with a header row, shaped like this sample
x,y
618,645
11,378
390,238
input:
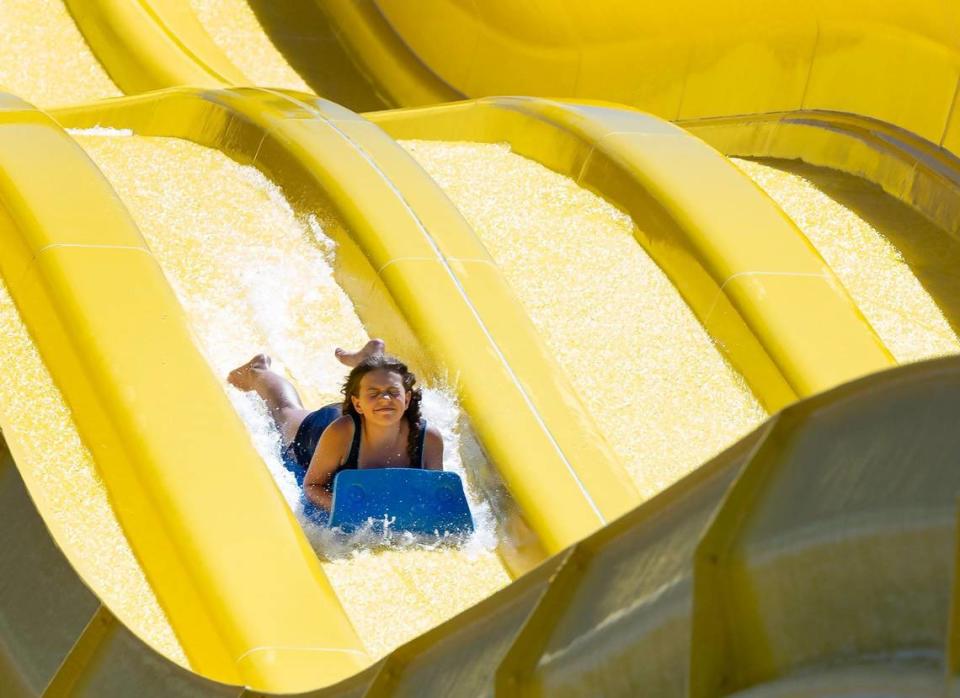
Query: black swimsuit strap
x,y
353,458
416,461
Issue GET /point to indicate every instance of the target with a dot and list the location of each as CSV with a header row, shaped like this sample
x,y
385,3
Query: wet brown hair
x,y
351,388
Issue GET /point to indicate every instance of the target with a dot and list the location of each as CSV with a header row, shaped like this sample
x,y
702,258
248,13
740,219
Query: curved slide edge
x,y
530,421
104,320
151,44
919,173
855,574
352,56
694,59
394,71
751,277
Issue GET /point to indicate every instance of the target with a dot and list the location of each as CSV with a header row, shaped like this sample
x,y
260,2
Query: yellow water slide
x,y
605,307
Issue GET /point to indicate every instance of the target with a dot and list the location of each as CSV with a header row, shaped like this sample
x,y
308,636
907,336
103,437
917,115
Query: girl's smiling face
x,y
381,397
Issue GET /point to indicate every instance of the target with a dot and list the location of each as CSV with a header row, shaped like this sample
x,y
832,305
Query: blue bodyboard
x,y
424,502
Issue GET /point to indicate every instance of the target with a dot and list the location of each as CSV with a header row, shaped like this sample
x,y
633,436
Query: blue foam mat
x,y
424,502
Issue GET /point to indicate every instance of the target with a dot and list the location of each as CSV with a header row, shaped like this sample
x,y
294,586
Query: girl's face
x,y
381,397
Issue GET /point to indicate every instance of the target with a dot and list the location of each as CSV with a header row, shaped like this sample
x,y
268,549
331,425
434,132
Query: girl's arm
x,y
432,449
326,459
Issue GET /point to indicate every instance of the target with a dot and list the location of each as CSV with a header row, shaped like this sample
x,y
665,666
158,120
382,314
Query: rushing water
x,y
253,276
653,379
900,269
45,58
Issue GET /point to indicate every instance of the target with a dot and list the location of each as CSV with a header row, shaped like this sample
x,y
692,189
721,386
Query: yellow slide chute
x,y
167,444
815,553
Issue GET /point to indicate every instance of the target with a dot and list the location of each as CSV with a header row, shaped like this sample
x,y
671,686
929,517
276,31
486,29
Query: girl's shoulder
x,y
340,428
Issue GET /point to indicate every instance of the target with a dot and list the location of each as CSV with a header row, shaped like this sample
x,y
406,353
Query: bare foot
x,y
352,358
242,376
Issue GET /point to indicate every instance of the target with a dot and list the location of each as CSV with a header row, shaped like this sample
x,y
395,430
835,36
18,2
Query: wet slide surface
x,y
45,58
236,30
253,276
651,376
900,269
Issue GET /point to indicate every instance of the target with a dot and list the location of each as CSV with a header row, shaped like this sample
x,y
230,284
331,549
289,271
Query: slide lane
x,y
249,273
918,172
432,271
104,320
900,269
891,199
46,60
696,578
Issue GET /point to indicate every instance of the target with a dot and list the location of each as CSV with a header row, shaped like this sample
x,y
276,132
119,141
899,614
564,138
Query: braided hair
x,y
351,388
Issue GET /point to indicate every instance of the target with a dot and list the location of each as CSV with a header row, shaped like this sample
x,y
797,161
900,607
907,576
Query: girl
x,y
378,425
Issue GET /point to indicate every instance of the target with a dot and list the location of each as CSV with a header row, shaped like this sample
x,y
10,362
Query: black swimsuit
x,y
297,456
353,458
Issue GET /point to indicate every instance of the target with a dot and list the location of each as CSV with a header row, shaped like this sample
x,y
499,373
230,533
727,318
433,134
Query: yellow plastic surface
x,y
887,60
228,562
529,420
719,584
396,72
907,167
344,50
152,44
763,293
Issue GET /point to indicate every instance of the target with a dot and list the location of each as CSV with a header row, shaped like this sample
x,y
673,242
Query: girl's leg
x,y
281,397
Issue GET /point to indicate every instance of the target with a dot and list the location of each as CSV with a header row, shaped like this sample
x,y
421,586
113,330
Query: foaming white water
x,y
98,130
254,277
266,439
440,409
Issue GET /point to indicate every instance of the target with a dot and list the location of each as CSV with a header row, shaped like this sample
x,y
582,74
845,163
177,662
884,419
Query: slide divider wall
x,y
751,277
834,512
529,420
231,568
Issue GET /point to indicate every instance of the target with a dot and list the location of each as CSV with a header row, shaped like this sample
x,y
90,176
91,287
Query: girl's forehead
x,y
381,378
